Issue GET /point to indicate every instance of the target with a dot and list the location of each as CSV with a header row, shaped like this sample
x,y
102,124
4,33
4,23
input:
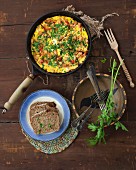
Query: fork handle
x,y
92,76
125,69
77,120
79,127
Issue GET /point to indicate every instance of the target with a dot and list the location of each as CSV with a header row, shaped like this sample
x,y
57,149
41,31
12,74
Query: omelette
x,y
59,44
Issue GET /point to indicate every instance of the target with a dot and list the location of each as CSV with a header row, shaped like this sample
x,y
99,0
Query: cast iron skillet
x,y
38,22
35,67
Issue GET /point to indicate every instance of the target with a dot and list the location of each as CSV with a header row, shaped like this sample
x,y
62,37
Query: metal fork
x,y
77,120
114,45
92,76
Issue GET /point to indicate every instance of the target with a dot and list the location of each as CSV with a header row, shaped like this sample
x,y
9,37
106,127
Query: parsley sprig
x,y
103,60
108,114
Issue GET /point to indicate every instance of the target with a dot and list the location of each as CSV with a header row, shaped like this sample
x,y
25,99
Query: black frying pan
x,y
38,22
36,69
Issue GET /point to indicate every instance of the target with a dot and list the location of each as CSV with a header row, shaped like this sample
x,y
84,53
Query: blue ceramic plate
x,y
44,95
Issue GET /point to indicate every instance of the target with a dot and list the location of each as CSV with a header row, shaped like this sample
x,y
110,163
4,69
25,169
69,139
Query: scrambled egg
x,y
59,44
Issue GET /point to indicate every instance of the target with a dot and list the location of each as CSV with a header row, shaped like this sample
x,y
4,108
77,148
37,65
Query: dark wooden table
x,y
16,152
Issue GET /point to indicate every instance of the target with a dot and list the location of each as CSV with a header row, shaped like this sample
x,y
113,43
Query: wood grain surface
x,y
16,18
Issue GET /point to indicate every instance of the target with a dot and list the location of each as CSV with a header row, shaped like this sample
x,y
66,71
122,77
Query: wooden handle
x,y
19,91
128,75
125,70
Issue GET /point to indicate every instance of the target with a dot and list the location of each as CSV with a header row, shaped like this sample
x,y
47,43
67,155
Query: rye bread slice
x,y
46,122
40,106
44,118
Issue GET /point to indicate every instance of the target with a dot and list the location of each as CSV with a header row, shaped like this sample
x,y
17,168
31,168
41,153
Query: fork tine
x,y
107,37
113,37
103,106
103,95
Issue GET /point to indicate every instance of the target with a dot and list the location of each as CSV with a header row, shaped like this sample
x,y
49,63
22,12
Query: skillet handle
x,y
19,91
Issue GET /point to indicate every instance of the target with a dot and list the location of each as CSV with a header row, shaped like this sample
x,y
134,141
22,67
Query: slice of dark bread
x,y
40,106
44,117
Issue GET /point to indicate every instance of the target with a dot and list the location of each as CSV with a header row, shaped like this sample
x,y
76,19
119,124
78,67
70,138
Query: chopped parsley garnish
x,y
36,44
56,41
49,125
50,63
103,60
57,25
41,125
42,66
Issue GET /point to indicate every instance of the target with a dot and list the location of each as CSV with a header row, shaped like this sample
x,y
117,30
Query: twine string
x,y
43,81
27,65
95,25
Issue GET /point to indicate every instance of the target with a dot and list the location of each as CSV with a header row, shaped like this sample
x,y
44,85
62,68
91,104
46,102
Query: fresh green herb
x,y
110,69
50,63
83,42
57,25
32,49
42,66
49,125
70,53
43,57
70,39
49,49
36,44
41,125
39,37
55,64
108,114
120,125
103,60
